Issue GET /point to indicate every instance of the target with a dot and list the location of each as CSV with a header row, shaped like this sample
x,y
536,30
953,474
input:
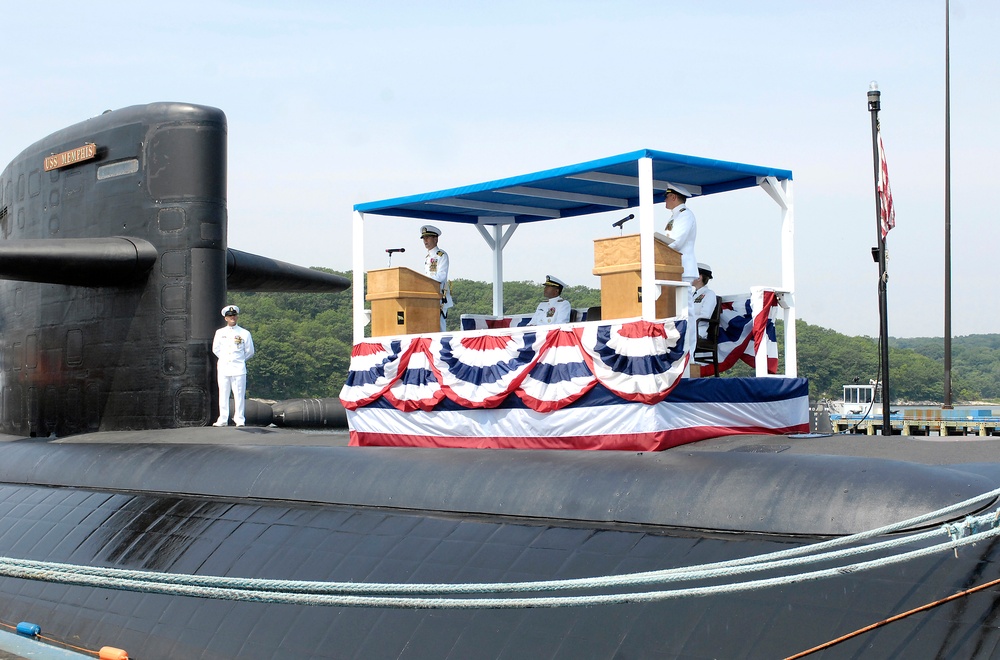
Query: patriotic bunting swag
x,y
742,330
591,387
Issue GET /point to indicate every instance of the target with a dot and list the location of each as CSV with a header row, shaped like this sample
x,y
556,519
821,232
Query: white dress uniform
x,y
436,265
551,311
702,307
233,346
436,268
683,229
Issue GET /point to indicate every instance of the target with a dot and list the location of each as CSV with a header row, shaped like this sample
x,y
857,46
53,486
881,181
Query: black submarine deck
x,y
787,485
293,505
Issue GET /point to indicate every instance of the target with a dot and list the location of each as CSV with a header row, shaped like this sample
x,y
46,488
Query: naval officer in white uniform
x,y
705,300
554,309
436,267
233,346
682,228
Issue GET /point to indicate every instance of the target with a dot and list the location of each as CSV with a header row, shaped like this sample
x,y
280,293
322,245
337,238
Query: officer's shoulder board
x,y
440,253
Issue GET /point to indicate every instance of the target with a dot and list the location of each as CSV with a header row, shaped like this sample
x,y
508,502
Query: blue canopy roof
x,y
608,184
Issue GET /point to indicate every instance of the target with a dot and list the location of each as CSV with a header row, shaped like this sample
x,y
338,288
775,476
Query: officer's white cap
x,y
679,189
230,309
554,281
705,267
429,230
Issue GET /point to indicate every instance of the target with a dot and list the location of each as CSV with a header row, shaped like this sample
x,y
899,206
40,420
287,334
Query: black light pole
x,y
874,105
947,212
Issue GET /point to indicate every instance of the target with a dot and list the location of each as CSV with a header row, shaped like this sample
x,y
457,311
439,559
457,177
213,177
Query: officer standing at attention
x,y
554,309
683,229
436,267
233,346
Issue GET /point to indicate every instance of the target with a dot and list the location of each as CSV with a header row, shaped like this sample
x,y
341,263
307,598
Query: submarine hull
x,y
257,509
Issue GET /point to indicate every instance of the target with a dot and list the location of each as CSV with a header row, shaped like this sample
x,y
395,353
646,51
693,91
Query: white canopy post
x,y
781,193
788,280
497,242
358,266
647,272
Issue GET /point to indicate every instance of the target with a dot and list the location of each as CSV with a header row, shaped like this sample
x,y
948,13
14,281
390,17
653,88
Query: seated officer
x,y
554,309
704,300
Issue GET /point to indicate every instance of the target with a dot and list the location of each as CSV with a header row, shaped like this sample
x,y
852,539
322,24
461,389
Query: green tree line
x,y
303,345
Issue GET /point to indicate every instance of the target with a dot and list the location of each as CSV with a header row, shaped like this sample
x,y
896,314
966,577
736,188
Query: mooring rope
x,y
611,581
253,594
893,619
351,594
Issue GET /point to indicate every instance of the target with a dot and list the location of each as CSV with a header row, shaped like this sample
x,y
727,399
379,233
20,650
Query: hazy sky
x,y
334,103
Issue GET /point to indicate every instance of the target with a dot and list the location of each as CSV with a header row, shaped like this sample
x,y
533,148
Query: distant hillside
x,y
916,366
304,344
975,359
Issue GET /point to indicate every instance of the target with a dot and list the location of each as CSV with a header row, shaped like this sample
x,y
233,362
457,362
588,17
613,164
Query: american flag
x,y
887,214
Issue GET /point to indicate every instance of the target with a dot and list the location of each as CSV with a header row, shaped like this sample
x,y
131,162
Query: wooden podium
x,y
404,302
617,262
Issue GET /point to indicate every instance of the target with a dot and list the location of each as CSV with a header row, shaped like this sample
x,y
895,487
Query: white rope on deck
x,y
388,595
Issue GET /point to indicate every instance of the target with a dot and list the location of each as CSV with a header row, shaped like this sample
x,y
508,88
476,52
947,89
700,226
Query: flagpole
x,y
874,105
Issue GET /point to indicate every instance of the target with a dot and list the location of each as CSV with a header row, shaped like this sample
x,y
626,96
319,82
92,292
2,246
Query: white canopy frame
x,y
497,222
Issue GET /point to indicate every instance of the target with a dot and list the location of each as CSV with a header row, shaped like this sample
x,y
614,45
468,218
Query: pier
x,y
919,425
860,413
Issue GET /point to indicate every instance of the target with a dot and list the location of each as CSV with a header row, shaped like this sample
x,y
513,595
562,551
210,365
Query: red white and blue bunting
x,y
547,369
697,408
745,324
594,386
